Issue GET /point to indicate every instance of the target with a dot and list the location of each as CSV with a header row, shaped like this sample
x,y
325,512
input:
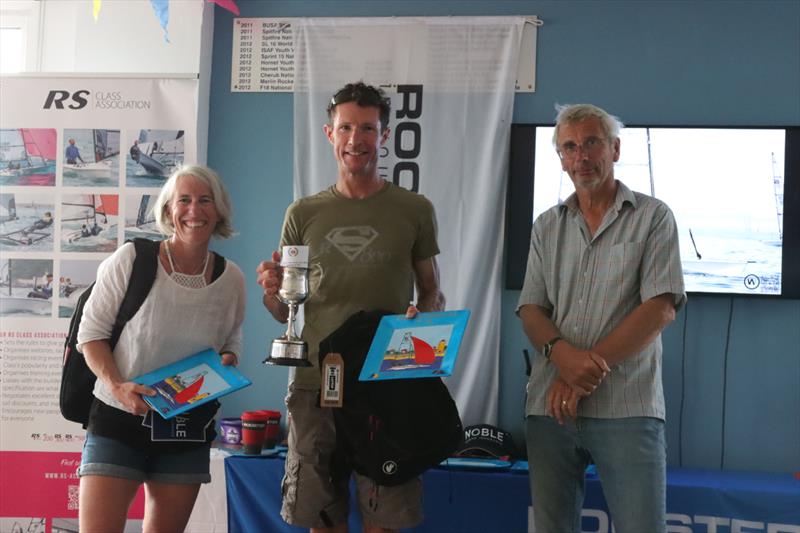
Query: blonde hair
x,y
222,200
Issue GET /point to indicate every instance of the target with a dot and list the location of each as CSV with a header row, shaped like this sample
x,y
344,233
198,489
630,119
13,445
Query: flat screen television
x,y
734,191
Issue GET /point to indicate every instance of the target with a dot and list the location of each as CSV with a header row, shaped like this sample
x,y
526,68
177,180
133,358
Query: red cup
x,y
273,428
254,430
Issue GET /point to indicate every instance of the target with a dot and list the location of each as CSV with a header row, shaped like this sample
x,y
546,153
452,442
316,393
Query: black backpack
x,y
77,381
390,430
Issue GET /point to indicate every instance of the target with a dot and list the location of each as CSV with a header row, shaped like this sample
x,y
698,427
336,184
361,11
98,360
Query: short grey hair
x,y
571,113
222,200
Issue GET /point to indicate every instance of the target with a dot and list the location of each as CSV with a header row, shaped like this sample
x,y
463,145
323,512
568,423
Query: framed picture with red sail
x,y
190,382
424,346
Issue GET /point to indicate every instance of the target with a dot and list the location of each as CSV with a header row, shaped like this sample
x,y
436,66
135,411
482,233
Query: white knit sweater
x,y
173,322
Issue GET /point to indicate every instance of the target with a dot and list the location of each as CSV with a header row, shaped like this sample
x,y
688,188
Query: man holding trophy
x,y
369,243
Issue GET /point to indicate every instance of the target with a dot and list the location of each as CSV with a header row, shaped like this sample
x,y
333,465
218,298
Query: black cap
x,y
484,440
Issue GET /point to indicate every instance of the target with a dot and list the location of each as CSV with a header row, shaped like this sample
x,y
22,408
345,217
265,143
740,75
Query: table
x,y
498,502
210,511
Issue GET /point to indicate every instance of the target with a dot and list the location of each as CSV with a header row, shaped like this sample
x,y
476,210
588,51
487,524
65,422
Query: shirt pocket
x,y
618,270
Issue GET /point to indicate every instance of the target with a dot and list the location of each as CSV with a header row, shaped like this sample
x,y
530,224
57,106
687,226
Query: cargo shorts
x,y
311,499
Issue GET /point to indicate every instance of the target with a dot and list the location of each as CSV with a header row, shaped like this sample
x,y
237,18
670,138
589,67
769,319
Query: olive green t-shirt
x,y
361,257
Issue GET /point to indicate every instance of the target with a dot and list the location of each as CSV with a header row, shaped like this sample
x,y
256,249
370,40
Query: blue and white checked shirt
x,y
591,283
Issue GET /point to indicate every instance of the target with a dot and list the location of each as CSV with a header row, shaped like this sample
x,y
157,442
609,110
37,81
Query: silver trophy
x,y
289,349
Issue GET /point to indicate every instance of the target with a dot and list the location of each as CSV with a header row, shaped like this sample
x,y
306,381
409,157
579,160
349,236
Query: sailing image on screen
x,y
153,156
28,157
139,218
91,157
89,222
27,221
74,277
26,287
724,186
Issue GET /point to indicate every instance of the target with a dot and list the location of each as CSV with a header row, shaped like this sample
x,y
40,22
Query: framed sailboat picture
x,y
190,382
419,347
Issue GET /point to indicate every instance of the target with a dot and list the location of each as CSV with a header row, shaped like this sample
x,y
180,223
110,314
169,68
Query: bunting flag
x,y
161,9
96,4
230,5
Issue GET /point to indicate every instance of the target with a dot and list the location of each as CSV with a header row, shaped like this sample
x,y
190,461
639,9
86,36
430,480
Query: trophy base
x,y
288,353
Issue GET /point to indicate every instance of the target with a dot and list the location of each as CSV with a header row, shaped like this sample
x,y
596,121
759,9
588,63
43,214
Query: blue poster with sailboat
x,y
421,347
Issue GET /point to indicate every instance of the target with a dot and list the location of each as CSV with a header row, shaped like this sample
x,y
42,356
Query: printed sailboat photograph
x,y
91,157
153,156
74,278
28,157
27,221
26,287
139,218
89,222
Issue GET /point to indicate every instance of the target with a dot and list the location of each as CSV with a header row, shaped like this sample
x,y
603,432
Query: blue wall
x,y
733,401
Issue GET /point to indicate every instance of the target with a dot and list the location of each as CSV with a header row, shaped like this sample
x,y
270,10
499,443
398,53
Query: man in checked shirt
x,y
603,279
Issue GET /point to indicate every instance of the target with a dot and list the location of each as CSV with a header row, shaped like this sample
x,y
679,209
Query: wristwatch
x,y
547,349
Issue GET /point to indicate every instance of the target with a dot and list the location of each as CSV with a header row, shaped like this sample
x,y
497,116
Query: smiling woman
x,y
191,208
196,302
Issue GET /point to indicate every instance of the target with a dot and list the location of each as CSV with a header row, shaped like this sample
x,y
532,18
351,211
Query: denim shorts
x,y
103,456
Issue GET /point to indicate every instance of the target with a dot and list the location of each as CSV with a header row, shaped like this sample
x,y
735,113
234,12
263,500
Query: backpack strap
x,y
219,266
143,274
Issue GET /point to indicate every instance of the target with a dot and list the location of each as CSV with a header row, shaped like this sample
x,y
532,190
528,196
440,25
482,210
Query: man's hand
x,y
270,275
583,370
562,401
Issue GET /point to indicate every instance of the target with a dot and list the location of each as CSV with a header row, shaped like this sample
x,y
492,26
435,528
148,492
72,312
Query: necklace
x,y
192,281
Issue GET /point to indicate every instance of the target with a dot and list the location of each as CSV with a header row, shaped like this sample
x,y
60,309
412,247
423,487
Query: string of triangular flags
x,y
161,11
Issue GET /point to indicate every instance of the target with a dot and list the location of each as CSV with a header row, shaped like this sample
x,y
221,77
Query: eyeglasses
x,y
570,149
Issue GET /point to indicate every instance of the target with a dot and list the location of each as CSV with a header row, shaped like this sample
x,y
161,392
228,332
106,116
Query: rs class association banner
x,y
80,161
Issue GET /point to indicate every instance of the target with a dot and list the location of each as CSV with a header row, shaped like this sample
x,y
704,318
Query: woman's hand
x,y
129,394
229,359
